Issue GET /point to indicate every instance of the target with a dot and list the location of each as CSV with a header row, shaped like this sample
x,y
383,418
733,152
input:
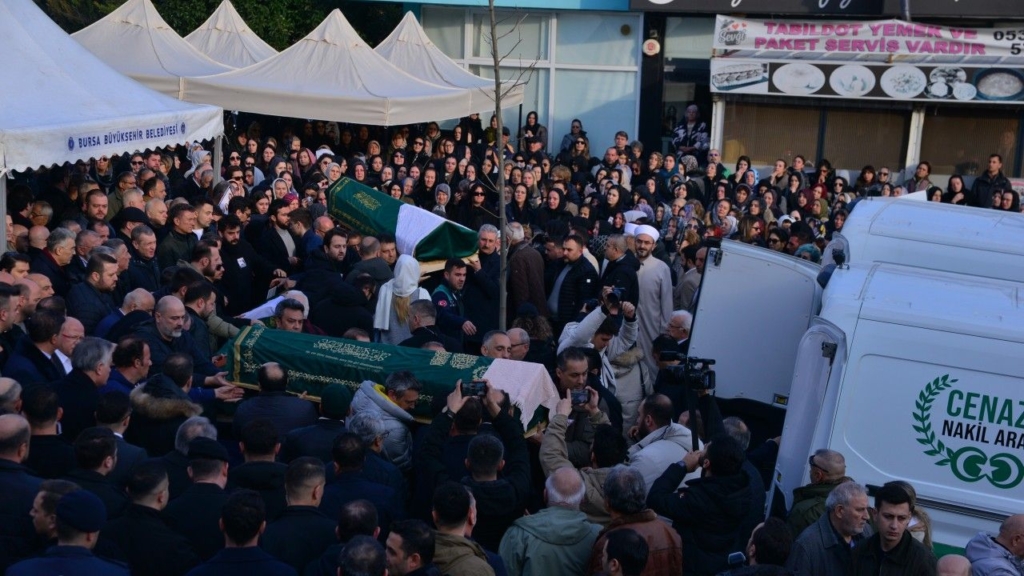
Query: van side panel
x,y
943,411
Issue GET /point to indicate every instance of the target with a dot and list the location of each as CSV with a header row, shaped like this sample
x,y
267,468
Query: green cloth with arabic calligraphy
x,y
314,361
427,237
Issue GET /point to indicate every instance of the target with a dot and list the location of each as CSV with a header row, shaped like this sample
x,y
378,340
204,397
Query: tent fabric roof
x,y
137,42
331,74
62,104
228,40
409,48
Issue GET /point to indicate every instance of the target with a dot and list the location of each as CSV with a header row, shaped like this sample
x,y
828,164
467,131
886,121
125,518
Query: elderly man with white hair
x,y
556,540
655,305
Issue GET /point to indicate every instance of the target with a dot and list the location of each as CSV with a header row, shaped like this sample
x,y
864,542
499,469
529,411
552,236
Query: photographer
x,y
622,372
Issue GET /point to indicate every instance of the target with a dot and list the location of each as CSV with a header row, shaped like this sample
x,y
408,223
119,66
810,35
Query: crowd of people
x,y
124,448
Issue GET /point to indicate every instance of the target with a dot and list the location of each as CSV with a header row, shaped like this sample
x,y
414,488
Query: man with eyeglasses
x,y
827,470
520,346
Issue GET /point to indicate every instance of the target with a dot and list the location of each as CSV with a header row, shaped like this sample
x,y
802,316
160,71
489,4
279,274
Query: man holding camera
x,y
620,269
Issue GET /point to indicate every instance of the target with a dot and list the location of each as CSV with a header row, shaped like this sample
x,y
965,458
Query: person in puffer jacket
x,y
392,401
1001,555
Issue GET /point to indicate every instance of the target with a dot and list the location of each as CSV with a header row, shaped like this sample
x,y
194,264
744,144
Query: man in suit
x,y
302,532
52,261
679,325
114,411
34,360
285,411
242,521
79,390
95,458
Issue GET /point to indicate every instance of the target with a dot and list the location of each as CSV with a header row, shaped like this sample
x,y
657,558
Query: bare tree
x,y
499,92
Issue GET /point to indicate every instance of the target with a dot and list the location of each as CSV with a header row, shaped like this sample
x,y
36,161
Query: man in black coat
x,y
993,179
19,488
285,411
317,439
143,270
95,458
79,390
325,267
621,269
113,411
91,300
261,472
576,283
347,307
33,361
50,455
302,532
713,508
482,287
196,513
247,274
53,260
277,243
349,483
146,542
357,518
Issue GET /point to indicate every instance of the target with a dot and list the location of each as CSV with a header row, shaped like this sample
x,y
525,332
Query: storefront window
x,y
960,141
766,132
607,99
689,38
535,97
446,29
857,138
596,39
520,36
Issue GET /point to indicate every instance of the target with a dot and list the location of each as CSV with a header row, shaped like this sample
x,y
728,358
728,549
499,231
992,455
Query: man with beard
x,y
245,271
165,335
655,280
156,211
575,284
660,441
180,241
325,267
277,243
207,261
91,300
200,303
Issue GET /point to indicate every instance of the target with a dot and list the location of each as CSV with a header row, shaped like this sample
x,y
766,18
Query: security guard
x,y
80,516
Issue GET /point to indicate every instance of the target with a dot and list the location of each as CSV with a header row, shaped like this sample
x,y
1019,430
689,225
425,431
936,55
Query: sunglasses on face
x,y
136,162
234,157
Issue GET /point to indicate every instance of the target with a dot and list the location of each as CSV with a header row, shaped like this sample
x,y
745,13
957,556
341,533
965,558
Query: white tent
x,y
331,74
137,42
227,39
409,48
62,104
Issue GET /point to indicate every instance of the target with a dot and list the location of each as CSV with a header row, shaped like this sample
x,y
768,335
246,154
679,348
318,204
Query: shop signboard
x,y
881,60
803,7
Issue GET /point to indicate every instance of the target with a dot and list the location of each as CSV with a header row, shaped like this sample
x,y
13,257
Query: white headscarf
x,y
405,283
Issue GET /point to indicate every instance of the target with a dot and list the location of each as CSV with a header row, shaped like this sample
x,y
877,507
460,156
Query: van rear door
x,y
754,306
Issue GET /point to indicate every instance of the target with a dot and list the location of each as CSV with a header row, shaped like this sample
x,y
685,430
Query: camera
x,y
668,356
694,373
476,388
579,397
614,298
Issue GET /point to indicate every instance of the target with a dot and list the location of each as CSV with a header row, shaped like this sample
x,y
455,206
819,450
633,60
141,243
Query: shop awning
x,y
227,39
331,74
136,41
62,104
409,49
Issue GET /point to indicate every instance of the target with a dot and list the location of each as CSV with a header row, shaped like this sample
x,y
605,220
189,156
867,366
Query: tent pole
x,y
218,158
3,210
519,126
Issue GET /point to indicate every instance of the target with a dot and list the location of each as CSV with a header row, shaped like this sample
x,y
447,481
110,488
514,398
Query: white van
x,y
907,363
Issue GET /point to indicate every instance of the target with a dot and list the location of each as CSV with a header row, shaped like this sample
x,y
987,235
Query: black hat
x,y
82,510
202,448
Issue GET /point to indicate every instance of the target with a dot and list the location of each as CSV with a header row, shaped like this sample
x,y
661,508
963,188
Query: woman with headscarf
x,y
956,191
391,319
519,209
1011,201
533,129
553,209
692,136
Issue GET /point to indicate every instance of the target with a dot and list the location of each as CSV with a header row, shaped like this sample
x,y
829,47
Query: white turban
x,y
629,229
648,230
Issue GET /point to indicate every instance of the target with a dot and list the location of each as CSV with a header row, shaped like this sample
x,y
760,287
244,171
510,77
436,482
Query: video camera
x,y
694,373
614,297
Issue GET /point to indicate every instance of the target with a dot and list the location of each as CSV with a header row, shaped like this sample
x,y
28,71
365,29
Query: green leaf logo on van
x,y
969,463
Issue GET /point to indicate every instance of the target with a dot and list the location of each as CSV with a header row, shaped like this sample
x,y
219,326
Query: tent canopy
x,y
331,74
62,104
409,48
137,42
227,39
